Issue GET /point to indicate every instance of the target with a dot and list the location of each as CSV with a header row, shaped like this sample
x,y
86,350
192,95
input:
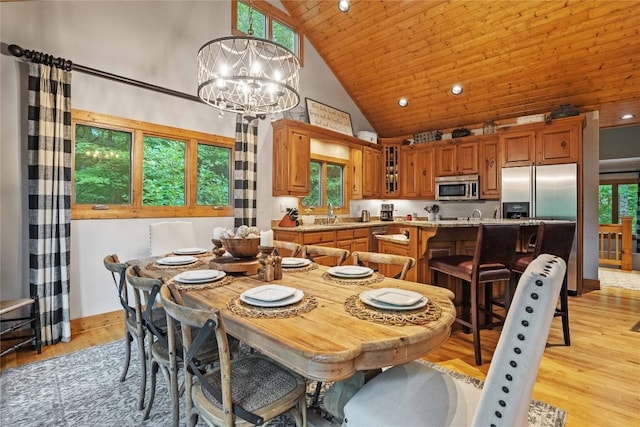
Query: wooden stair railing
x,y
615,244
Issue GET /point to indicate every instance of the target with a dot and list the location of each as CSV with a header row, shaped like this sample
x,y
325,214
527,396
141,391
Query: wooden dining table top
x,y
325,343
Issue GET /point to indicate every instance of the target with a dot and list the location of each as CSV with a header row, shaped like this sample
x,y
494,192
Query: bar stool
x,y
554,239
495,252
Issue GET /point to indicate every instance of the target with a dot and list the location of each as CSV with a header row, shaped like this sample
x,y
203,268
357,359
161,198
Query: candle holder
x,y
218,250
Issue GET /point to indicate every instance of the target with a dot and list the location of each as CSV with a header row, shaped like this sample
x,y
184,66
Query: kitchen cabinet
x,y
371,176
390,154
291,160
355,160
417,174
454,158
395,248
351,238
489,170
542,144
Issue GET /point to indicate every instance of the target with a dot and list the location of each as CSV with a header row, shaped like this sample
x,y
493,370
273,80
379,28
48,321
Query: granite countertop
x,y
450,223
395,238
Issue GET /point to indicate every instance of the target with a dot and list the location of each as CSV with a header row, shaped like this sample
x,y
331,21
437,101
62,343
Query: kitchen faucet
x,y
330,214
476,211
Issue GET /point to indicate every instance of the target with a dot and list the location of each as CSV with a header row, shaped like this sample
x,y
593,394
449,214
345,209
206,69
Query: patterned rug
x,y
82,389
614,278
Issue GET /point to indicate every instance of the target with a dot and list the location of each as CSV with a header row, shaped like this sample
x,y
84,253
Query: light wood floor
x,y
596,379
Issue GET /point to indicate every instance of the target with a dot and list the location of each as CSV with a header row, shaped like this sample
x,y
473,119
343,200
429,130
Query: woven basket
x,y
241,248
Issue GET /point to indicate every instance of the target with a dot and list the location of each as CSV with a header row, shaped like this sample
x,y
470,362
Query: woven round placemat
x,y
155,266
374,278
309,267
202,255
198,286
237,306
354,306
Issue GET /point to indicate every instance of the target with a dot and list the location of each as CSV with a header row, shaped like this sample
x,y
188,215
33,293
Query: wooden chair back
x,y
406,262
312,251
291,248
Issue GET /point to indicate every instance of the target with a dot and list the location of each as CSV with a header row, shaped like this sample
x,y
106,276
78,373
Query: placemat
x,y
237,306
309,267
202,255
369,280
198,286
354,306
155,266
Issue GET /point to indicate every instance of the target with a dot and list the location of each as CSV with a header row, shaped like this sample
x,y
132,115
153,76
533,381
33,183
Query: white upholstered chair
x,y
414,394
171,235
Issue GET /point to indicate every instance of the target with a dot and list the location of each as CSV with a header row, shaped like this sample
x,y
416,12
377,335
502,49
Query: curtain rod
x,y
39,57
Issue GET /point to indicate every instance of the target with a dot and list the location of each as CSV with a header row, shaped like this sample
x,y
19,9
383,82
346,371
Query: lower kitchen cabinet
x,y
387,247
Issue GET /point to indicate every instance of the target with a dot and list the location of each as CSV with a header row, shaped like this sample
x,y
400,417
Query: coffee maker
x,y
386,212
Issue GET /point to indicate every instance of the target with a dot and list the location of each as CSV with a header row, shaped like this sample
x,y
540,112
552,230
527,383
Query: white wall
x,y
590,182
155,42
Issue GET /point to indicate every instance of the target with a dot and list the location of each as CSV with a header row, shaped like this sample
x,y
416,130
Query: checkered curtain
x,y
246,169
49,176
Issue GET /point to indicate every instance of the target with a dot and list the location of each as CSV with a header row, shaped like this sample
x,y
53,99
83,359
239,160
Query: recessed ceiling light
x,y
456,89
403,102
343,5
627,116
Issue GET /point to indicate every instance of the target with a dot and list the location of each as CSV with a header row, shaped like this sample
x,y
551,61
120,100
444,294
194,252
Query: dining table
x,y
329,332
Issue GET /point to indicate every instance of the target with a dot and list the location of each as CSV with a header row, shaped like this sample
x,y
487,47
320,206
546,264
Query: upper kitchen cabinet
x,y
390,184
457,158
489,170
417,179
371,172
291,160
542,143
355,160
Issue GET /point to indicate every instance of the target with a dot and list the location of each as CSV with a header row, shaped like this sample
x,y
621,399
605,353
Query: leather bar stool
x,y
554,239
495,252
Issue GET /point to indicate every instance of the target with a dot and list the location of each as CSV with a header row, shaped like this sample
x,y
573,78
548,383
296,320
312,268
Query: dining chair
x,y
555,239
292,248
415,394
133,323
407,263
246,390
153,320
168,236
495,251
316,252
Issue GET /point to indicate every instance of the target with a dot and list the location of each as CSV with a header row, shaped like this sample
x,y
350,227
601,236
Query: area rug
x,y
613,278
82,389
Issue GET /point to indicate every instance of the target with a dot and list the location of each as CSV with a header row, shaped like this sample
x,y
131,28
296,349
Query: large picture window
x,y
129,169
617,199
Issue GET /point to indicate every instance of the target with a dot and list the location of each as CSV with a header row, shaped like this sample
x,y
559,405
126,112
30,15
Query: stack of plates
x,y
393,299
199,276
350,271
189,251
271,296
290,262
177,260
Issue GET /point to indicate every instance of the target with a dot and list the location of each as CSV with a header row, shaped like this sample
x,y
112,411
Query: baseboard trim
x,y
84,324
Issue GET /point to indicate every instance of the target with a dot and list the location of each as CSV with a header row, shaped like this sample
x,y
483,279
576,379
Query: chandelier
x,y
244,74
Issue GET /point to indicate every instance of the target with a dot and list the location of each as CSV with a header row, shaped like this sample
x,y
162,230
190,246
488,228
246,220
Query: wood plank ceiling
x,y
512,58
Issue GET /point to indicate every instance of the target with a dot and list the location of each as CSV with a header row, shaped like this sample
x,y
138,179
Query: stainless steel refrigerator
x,y
551,192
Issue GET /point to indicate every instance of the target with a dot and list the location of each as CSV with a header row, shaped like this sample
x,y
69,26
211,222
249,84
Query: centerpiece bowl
x,y
241,247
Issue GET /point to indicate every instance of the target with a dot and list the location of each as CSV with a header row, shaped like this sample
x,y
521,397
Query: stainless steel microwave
x,y
460,187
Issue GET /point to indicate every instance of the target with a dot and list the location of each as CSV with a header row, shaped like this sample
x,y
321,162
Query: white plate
x,y
368,299
189,251
199,276
177,260
350,271
395,296
269,293
290,262
297,296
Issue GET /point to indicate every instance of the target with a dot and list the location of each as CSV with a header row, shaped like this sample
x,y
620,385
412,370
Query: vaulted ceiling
x,y
512,58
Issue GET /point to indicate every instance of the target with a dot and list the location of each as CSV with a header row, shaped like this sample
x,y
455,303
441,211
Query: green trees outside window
x,y
617,200
214,176
163,172
327,185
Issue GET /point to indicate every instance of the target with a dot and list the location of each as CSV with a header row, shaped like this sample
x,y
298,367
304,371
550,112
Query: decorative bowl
x,y
241,248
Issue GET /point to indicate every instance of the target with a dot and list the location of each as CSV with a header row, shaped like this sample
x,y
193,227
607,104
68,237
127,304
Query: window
x,y
129,169
617,199
268,23
327,186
